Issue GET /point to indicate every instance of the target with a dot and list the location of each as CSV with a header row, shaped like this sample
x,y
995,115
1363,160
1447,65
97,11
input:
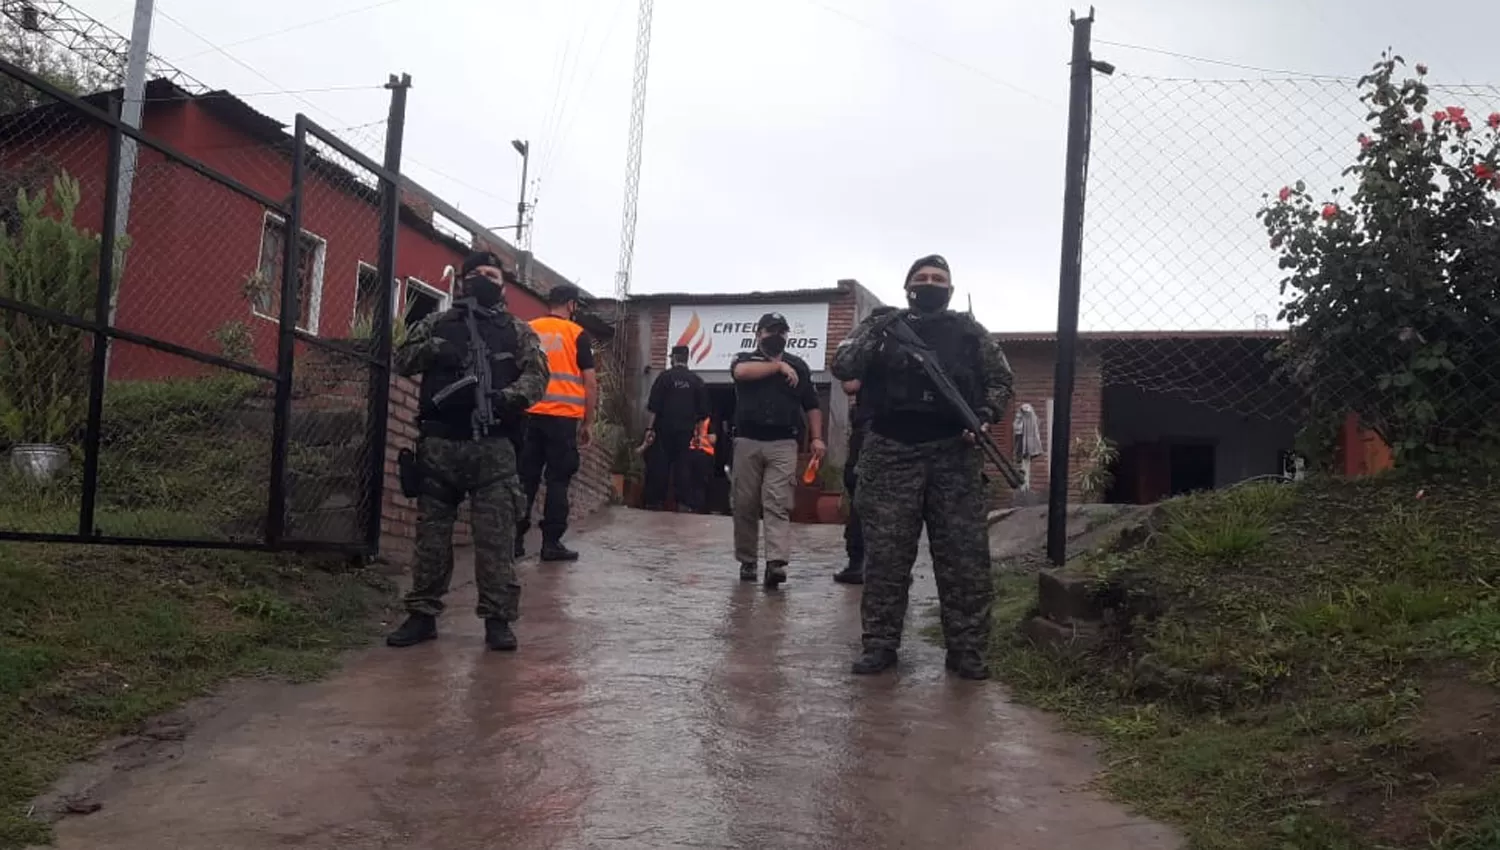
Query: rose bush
x,y
1392,289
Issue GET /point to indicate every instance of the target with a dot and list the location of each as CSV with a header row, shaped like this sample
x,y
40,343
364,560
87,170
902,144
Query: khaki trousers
x,y
763,485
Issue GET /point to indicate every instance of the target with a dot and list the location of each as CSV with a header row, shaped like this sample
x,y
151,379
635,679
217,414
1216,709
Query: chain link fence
x,y
139,397
1298,250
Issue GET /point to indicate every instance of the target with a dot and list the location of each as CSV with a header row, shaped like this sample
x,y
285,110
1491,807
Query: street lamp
x,y
524,149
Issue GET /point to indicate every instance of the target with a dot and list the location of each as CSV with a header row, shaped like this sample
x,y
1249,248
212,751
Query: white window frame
x,y
320,258
359,267
444,299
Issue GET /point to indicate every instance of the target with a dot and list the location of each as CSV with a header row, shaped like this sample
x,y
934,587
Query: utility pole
x,y
1080,109
131,113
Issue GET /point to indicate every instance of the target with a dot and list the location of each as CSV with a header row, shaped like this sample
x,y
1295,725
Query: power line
x,y
554,150
236,60
1221,62
241,95
936,54
304,25
282,90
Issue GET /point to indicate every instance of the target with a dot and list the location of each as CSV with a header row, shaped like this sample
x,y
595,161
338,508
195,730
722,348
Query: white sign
x,y
715,333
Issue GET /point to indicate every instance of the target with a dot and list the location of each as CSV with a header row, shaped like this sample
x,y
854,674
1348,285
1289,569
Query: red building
x,y
203,265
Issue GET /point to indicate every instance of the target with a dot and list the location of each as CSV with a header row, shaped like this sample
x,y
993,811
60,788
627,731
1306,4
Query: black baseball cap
x,y
679,352
771,321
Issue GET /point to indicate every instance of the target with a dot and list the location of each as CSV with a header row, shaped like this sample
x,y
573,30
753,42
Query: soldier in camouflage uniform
x,y
456,463
918,466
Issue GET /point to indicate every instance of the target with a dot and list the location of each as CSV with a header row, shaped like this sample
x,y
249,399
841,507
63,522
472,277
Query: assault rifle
x,y
477,367
899,332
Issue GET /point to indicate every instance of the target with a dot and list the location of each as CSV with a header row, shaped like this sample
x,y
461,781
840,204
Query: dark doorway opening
x,y
1191,467
721,402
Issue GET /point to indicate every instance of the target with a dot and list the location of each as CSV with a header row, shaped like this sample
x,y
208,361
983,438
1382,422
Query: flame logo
x,y
699,343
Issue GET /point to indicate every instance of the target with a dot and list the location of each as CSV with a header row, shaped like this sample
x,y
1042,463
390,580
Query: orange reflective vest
x,y
565,394
701,443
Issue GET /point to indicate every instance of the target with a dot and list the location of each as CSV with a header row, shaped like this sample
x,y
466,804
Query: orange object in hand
x,y
810,474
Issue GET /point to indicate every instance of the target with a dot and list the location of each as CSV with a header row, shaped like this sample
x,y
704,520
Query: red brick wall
x,y
323,383
591,488
1034,365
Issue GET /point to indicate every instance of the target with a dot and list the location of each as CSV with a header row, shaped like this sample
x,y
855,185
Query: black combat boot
x,y
874,661
498,636
416,629
968,664
852,574
775,574
553,550
748,572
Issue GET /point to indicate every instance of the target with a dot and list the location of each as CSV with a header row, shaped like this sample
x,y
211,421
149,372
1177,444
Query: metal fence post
x,y
1080,104
103,318
380,370
286,341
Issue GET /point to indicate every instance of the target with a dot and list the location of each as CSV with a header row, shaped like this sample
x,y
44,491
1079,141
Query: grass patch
x,y
1319,672
177,459
95,640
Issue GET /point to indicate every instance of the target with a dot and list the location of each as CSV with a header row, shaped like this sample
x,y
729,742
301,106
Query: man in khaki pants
x,y
773,391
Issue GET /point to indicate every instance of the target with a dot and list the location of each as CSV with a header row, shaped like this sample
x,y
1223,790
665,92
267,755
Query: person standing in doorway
x,y
700,464
678,401
558,426
773,393
920,467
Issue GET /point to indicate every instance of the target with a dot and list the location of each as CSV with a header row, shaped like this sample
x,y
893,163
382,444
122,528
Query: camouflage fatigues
x,y
484,471
939,484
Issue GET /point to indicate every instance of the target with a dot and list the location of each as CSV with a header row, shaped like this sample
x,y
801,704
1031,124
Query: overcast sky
x,y
790,143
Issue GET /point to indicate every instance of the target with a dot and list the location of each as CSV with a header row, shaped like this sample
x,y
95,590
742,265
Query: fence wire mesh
x,y
187,402
1299,250
329,479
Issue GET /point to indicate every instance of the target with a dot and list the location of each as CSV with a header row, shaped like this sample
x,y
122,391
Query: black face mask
x,y
929,299
773,345
487,292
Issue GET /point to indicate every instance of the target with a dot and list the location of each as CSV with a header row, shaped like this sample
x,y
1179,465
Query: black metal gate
x,y
162,388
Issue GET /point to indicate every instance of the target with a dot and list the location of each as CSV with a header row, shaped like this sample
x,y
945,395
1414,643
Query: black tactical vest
x,y
454,420
897,387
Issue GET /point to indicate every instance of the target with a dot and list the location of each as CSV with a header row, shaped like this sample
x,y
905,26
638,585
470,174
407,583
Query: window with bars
x,y
310,259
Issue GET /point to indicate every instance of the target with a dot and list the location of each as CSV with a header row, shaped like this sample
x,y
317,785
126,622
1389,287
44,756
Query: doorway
x,y
1191,467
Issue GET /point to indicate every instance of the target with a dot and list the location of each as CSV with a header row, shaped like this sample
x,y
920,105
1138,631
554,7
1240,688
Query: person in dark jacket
x,y
677,403
776,405
920,467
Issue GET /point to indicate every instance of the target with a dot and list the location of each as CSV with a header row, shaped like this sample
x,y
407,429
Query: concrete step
x,y
1068,596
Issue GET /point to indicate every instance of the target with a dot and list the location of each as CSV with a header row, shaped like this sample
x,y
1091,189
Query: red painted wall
x,y
194,241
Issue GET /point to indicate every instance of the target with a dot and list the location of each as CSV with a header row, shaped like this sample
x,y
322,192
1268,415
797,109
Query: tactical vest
x,y
454,420
565,390
897,386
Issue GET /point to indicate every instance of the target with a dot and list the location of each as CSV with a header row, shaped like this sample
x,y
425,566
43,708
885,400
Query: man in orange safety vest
x,y
558,425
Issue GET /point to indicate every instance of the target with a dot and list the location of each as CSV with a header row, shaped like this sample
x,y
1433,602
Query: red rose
x,y
1417,126
1495,120
1285,193
1439,117
1421,69
1484,171
1364,142
1456,112
1330,212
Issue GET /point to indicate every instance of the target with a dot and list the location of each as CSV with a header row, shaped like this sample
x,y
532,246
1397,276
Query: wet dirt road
x,y
655,702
